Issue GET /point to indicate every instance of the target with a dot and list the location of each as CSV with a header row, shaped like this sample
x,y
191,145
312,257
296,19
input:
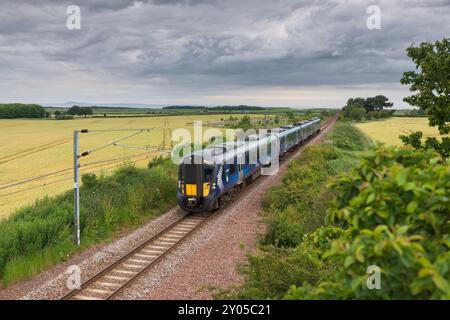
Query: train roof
x,y
220,152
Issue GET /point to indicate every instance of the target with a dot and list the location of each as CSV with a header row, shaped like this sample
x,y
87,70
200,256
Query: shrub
x,y
395,209
64,117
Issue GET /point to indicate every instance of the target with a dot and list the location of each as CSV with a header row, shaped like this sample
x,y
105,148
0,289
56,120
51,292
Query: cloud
x,y
155,51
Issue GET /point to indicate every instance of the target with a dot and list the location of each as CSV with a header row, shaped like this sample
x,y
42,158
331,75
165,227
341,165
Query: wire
x,y
109,169
134,147
116,130
109,144
32,179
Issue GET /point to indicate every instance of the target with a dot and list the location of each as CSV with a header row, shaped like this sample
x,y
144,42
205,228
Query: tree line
x,y
20,110
220,108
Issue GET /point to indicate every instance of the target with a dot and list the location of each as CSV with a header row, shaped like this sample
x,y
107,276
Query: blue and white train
x,y
206,176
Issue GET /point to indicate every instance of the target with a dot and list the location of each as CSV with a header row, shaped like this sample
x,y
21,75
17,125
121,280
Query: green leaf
x,y
401,177
370,198
349,261
412,206
440,282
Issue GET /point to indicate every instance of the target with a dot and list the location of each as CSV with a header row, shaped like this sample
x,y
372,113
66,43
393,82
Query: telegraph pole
x,y
76,187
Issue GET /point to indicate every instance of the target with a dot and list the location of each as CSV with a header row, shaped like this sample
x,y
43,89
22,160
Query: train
x,y
206,177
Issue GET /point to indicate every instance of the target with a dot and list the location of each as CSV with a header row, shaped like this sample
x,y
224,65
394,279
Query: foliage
x,y
395,210
41,234
64,116
245,122
377,103
18,110
415,140
159,161
348,137
80,111
369,108
291,116
354,111
432,86
431,82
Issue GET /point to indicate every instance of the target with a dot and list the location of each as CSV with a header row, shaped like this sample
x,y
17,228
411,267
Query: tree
x,y
80,111
373,105
19,110
57,113
431,82
377,103
245,122
355,110
86,111
291,116
431,86
74,110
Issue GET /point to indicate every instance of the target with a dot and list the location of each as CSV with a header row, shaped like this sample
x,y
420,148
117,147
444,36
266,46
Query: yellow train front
x,y
197,187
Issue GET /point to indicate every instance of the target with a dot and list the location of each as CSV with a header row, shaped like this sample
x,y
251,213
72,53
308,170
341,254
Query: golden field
x,y
388,131
32,148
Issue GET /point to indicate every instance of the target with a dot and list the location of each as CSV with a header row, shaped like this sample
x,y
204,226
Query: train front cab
x,y
197,187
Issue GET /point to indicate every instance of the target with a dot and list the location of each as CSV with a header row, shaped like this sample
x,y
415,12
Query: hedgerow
x,y
395,211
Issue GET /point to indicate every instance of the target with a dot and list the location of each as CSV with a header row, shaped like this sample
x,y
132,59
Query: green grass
x,y
41,235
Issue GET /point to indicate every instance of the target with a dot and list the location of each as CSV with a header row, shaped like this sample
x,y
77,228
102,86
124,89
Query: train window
x,y
232,168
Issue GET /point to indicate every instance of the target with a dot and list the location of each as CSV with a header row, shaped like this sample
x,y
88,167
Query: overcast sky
x,y
258,52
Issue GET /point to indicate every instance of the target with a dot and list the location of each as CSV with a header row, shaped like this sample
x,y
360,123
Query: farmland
x,y
388,131
32,148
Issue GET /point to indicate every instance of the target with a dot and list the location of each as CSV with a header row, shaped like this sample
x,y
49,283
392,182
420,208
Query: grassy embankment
x,y
295,209
41,234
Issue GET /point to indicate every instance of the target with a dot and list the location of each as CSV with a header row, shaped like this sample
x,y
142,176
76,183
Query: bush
x,y
354,112
64,116
395,210
348,137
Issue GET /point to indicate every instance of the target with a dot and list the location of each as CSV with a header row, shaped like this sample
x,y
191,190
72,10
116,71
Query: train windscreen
x,y
194,173
191,173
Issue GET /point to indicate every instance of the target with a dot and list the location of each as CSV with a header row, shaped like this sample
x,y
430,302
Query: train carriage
x,y
206,176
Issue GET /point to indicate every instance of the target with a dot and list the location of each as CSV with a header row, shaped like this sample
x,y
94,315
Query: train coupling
x,y
192,202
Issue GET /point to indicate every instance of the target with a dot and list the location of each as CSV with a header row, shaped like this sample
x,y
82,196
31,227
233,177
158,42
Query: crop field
x,y
388,131
30,149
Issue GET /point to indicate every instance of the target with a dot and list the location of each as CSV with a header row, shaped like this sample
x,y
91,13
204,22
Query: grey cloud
x,y
207,46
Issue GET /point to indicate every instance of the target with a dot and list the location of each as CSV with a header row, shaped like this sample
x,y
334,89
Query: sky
x,y
304,53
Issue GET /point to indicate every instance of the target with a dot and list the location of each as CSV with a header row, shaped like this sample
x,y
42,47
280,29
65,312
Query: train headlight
x,y
213,186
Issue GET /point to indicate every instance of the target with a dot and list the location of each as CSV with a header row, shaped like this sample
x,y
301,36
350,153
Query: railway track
x,y
123,272
113,279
